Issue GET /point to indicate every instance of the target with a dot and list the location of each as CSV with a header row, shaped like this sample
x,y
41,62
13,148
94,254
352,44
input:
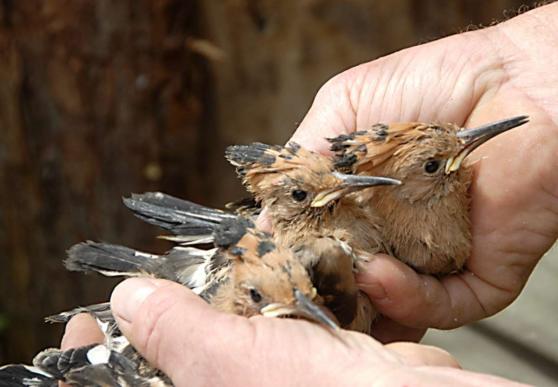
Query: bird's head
x,y
294,183
430,159
267,279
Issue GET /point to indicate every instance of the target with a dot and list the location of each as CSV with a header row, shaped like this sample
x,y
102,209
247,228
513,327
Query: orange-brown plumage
x,y
260,273
311,212
246,274
426,221
304,196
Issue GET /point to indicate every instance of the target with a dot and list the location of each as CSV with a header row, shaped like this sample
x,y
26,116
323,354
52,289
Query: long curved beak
x,y
303,308
313,311
473,138
348,184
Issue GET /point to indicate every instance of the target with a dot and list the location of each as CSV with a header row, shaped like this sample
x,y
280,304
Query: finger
x,y
387,331
331,114
81,330
423,355
171,327
420,301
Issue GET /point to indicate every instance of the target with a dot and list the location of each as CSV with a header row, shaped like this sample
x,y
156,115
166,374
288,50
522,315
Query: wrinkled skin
x,y
469,79
266,349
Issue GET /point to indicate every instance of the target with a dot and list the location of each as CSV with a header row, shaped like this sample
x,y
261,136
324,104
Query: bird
x,y
425,220
246,274
112,363
305,196
242,274
106,364
310,211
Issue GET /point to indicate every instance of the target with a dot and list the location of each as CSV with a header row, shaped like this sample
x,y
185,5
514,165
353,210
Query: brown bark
x,y
99,99
102,98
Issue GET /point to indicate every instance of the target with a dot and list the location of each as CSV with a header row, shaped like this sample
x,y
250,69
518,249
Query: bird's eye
x,y
255,295
298,195
432,166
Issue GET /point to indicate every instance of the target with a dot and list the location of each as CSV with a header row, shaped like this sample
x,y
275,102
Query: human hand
x,y
194,344
471,79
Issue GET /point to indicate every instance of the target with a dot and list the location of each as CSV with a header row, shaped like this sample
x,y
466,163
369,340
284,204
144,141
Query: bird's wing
x,y
180,217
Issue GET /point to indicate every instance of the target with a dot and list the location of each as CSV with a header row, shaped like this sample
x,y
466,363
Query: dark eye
x,y
432,166
298,195
255,295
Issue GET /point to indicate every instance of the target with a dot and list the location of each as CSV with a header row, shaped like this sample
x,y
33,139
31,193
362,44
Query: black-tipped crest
x,y
293,147
245,155
264,247
231,231
345,161
343,141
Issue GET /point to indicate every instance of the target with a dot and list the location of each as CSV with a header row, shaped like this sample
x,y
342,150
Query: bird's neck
x,y
433,237
290,231
345,220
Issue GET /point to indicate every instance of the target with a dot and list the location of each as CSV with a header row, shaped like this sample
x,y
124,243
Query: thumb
x,y
174,329
331,114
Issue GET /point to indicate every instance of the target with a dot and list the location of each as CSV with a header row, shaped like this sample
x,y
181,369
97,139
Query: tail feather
x,y
181,217
185,265
110,260
17,375
101,312
96,365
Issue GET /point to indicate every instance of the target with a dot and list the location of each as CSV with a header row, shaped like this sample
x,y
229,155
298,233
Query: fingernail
x,y
128,296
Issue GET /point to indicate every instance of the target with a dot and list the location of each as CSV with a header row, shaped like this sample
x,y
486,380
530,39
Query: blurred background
x,y
99,99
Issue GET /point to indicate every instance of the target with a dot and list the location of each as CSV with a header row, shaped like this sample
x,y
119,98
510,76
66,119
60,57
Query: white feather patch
x,y
38,371
98,355
188,240
198,290
198,278
117,273
145,255
103,326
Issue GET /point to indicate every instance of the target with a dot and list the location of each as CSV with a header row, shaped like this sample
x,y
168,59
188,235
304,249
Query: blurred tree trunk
x,y
98,99
102,98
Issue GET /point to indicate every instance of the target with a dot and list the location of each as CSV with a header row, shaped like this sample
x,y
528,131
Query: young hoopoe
x,y
426,220
245,274
312,211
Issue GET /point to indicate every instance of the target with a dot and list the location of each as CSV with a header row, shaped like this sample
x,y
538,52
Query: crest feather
x,y
366,149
